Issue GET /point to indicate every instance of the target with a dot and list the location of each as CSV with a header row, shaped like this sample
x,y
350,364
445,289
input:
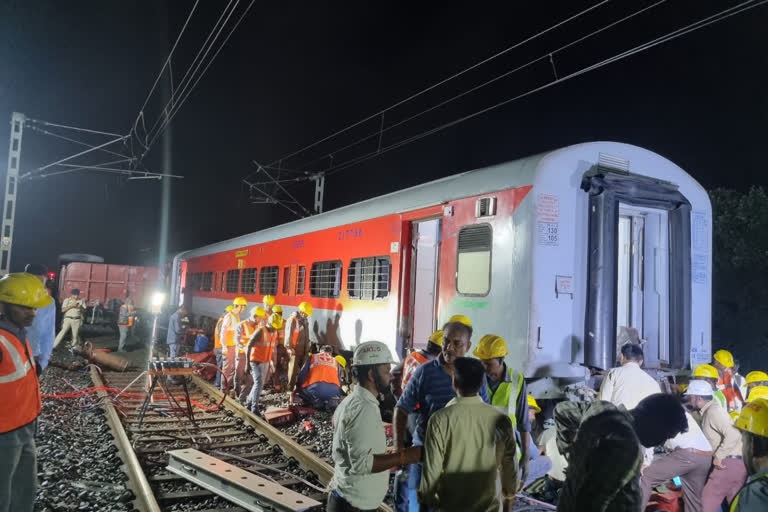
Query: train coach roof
x,y
470,183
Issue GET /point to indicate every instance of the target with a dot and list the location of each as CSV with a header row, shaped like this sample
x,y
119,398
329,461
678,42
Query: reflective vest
x,y
504,399
323,367
732,394
292,332
18,383
264,347
228,329
249,327
125,319
216,336
410,364
762,480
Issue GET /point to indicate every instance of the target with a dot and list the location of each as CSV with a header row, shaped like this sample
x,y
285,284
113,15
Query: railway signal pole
x,y
11,186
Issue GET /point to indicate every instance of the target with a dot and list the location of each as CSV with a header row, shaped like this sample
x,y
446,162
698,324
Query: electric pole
x,y
11,187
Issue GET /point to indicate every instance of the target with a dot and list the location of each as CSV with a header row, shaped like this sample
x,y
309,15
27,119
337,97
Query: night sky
x,y
294,72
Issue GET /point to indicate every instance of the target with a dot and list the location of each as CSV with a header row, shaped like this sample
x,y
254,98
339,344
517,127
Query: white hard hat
x,y
372,352
699,388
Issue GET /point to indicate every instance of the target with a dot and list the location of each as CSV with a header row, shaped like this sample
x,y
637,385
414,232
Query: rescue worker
x,y
125,319
277,309
728,470
43,331
281,364
319,381
73,309
424,355
538,464
361,462
431,387
20,296
756,378
217,344
269,302
708,374
345,380
753,423
757,392
297,341
507,391
243,333
228,342
603,445
629,383
723,362
469,446
260,352
175,332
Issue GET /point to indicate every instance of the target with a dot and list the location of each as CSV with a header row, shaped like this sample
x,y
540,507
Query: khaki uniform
x,y
297,340
73,320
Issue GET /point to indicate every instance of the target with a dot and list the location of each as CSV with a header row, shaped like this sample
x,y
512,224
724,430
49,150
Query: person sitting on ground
x,y
603,445
538,464
468,446
319,381
753,423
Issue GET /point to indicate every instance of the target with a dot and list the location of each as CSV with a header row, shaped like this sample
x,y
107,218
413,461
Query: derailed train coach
x,y
559,253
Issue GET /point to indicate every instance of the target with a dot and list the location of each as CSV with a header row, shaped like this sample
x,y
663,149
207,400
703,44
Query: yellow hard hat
x,y
278,309
269,300
437,338
461,319
754,418
24,290
306,308
229,308
240,301
757,392
532,403
724,357
341,361
756,376
259,312
490,346
734,415
276,321
706,370
682,387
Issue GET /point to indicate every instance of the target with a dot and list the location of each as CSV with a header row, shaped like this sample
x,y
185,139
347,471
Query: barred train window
x,y
325,279
268,281
368,278
473,270
207,282
233,280
248,282
301,280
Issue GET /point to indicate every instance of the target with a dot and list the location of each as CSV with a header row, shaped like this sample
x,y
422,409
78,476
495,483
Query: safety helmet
x,y
306,308
276,321
24,290
461,319
756,376
754,418
240,301
437,338
699,388
757,392
269,300
278,309
532,404
682,387
490,346
734,415
706,370
259,312
229,308
372,352
724,357
341,361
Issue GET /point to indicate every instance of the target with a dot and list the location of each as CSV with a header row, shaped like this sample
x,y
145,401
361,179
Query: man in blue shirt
x,y
431,388
175,332
43,331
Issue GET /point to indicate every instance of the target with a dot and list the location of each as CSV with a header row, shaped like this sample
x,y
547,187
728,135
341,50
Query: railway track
x,y
242,445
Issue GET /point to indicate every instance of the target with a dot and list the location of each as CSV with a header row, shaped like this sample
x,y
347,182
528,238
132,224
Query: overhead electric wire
x,y
46,132
46,123
724,14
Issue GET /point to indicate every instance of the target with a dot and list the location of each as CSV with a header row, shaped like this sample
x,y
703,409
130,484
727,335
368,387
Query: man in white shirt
x,y
361,477
689,457
628,384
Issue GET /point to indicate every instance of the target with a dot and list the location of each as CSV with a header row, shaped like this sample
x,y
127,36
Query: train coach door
x,y
425,251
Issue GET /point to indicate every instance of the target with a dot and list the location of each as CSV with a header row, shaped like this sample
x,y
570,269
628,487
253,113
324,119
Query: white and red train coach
x,y
556,253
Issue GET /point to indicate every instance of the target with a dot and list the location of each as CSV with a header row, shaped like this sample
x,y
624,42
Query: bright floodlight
x,y
158,298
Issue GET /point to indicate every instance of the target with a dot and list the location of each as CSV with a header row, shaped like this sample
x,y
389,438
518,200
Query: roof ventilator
x,y
485,207
612,163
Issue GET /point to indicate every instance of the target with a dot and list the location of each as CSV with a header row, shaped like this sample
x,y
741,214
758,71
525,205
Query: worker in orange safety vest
x,y
418,358
297,341
21,295
723,361
217,343
227,338
243,333
261,353
125,318
319,381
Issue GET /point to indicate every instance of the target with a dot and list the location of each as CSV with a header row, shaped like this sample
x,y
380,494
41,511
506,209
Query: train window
x,y
233,280
325,279
207,283
301,277
193,282
248,282
268,281
368,278
287,281
473,261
